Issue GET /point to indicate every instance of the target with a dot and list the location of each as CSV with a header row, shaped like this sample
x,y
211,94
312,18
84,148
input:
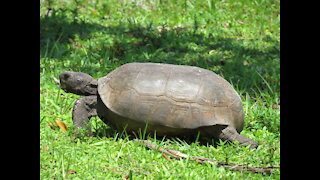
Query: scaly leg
x,y
84,108
227,133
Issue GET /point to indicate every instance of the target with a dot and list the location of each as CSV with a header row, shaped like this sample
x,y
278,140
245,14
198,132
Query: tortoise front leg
x,y
84,108
227,133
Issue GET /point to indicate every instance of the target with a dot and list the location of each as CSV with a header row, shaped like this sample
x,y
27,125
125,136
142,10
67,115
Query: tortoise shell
x,y
171,99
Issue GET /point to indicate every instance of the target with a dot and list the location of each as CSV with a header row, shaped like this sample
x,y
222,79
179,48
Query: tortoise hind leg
x,y
84,108
227,133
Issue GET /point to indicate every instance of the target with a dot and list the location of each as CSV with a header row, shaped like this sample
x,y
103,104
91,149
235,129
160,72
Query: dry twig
x,y
231,166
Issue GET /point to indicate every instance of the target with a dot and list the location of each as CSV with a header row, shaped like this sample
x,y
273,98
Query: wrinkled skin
x,y
91,105
78,83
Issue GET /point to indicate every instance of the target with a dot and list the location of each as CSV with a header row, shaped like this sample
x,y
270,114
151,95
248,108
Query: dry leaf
x,y
46,148
225,24
165,156
61,125
51,126
71,171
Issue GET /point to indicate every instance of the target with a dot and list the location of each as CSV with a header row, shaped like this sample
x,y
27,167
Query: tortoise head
x,y
78,83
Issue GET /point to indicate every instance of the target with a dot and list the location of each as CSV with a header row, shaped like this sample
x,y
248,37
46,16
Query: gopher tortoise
x,y
170,100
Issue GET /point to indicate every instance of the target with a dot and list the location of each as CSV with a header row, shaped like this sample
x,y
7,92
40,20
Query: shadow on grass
x,y
58,30
133,42
106,131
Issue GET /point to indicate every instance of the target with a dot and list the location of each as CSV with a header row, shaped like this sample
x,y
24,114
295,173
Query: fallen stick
x,y
231,166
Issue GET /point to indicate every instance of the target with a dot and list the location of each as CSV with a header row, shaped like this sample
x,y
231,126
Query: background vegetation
x,y
239,40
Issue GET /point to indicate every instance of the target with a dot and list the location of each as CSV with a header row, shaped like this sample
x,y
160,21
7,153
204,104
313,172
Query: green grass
x,y
238,40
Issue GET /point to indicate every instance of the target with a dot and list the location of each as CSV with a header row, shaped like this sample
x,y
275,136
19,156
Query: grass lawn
x,y
239,40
